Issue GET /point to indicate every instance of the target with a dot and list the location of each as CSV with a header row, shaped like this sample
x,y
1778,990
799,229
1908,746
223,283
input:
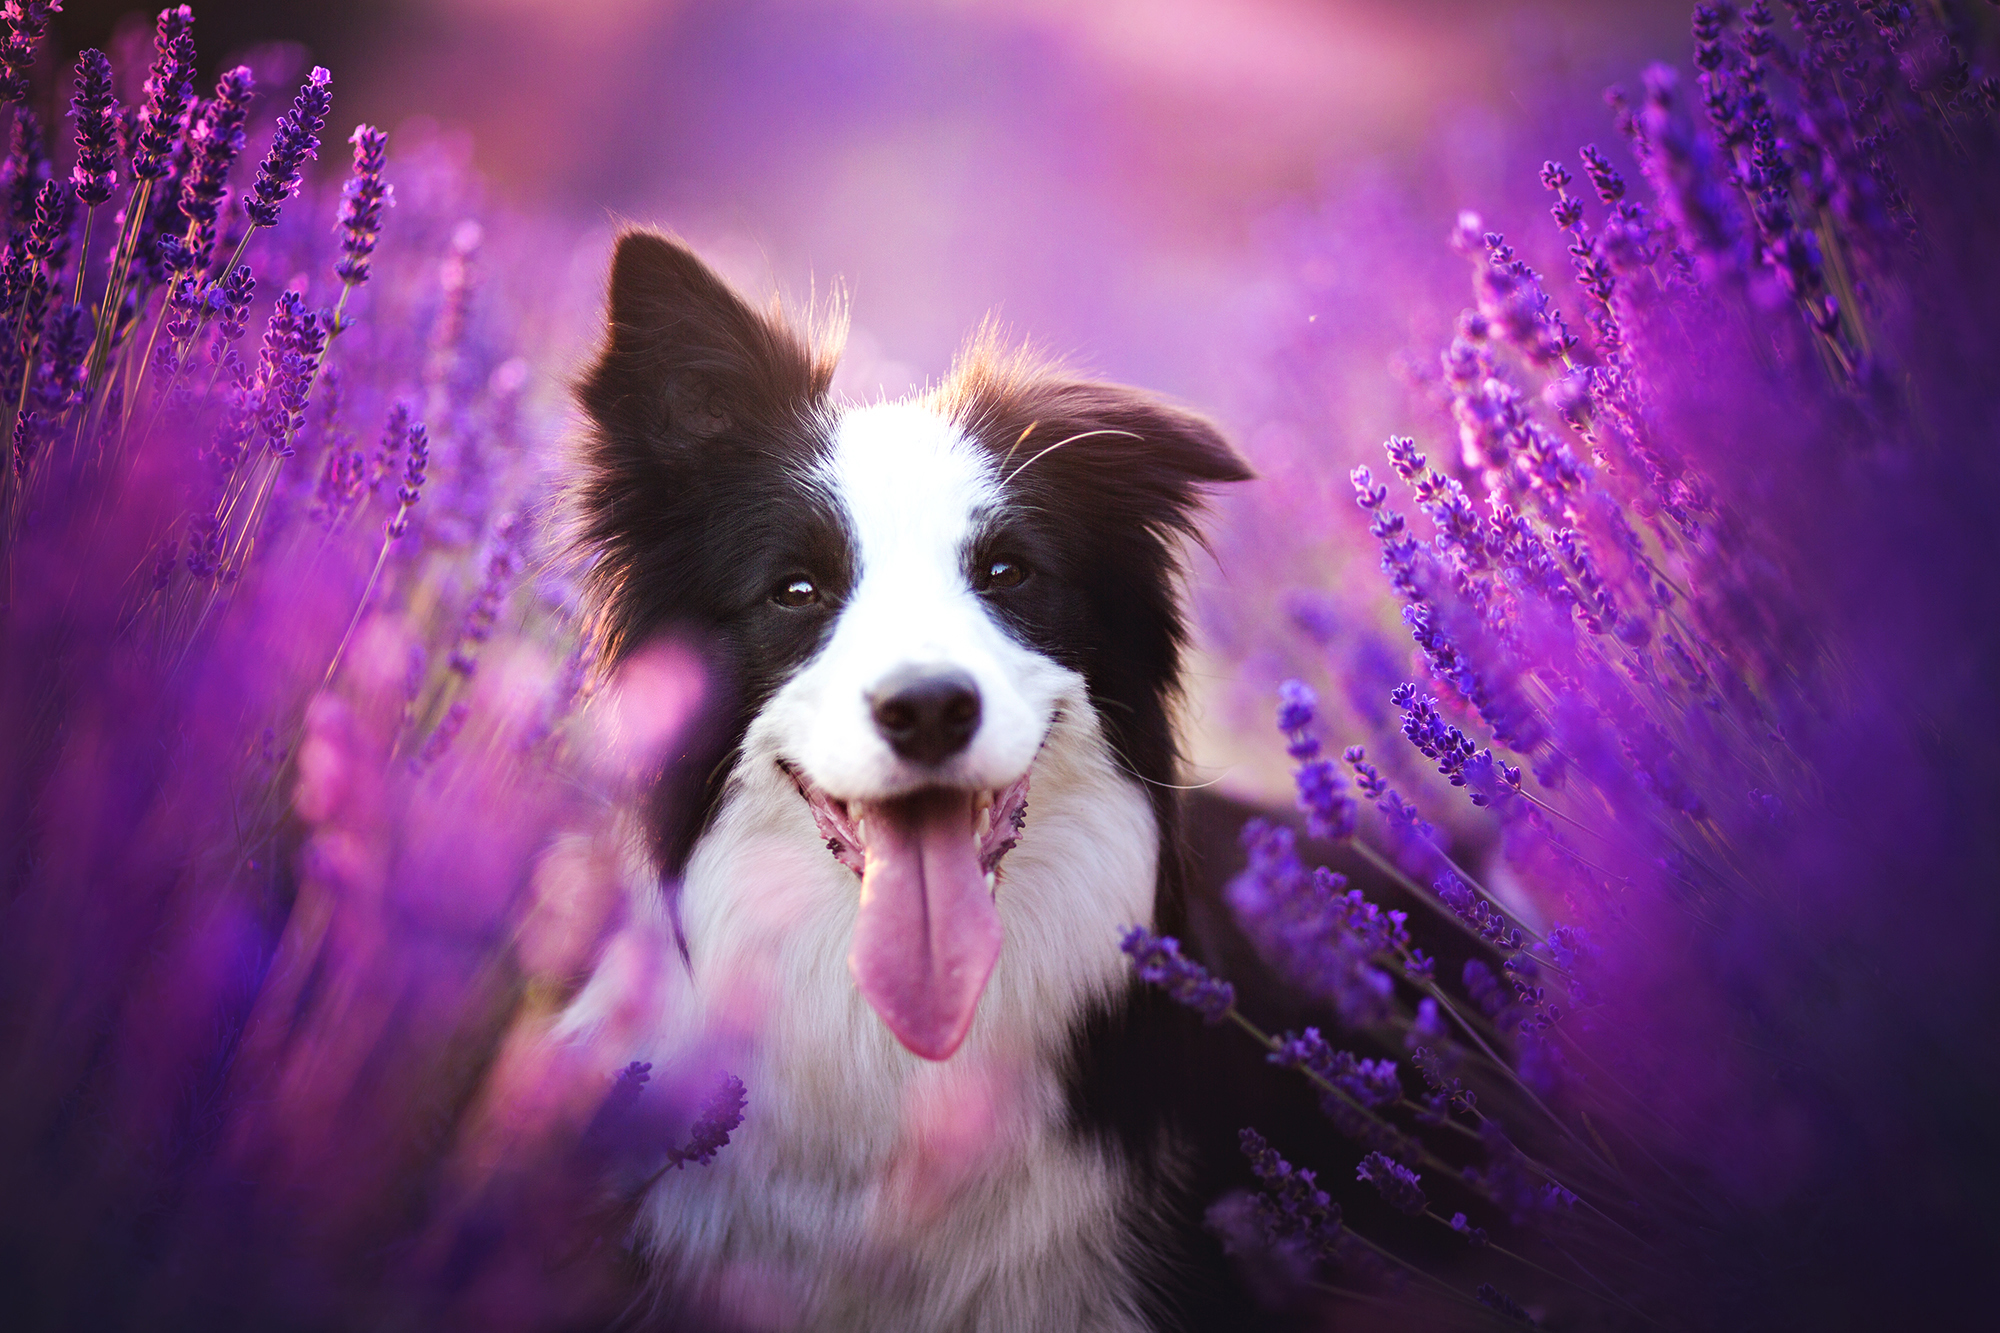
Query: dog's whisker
x,y
1072,439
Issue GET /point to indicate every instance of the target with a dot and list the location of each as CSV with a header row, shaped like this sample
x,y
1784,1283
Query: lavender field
x,y
1619,590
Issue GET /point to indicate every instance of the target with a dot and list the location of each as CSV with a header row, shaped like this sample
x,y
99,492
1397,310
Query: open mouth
x,y
993,824
927,934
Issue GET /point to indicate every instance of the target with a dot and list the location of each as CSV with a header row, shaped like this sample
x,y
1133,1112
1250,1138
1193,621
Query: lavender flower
x,y
94,107
1322,794
416,458
231,298
1396,1183
1372,1083
169,90
48,232
1317,936
484,609
26,21
389,449
65,342
362,200
1158,960
28,435
213,142
294,340
1474,1236
442,736
296,140
26,166
1292,1205
713,1127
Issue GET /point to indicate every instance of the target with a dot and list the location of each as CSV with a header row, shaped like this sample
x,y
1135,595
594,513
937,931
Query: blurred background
x,y
1096,173
1214,199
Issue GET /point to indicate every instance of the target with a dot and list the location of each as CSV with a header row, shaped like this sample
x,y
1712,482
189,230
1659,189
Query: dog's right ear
x,y
686,360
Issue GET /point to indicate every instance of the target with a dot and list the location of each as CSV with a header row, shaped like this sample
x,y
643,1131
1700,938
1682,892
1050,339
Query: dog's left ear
x,y
686,360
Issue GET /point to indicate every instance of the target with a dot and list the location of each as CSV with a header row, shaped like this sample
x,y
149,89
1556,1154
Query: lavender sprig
x,y
297,138
711,1131
1292,1206
26,21
416,459
169,90
1396,1183
213,144
362,200
1329,810
1158,960
95,110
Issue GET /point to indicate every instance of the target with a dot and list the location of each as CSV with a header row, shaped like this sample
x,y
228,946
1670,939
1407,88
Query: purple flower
x,y
169,90
94,107
1158,960
1297,707
485,606
1292,1206
416,458
389,450
48,231
1322,793
440,740
294,339
26,167
362,200
65,342
233,309
1372,1083
713,1127
213,143
1395,1182
1474,1236
297,139
28,435
1317,933
26,21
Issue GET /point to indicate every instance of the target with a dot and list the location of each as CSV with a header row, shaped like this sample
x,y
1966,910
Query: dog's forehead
x,y
909,478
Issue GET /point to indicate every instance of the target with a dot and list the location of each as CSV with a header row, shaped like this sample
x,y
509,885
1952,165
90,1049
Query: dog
x,y
897,857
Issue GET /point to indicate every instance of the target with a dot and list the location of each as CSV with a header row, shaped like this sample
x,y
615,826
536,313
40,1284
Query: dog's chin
x,y
927,931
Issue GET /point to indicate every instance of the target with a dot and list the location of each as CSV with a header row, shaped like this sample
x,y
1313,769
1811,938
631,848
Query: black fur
x,y
705,414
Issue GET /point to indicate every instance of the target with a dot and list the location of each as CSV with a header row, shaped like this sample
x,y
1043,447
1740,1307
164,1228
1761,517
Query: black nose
x,y
926,714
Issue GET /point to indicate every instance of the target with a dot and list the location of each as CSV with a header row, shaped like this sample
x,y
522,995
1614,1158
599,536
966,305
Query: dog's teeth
x,y
985,822
992,877
861,831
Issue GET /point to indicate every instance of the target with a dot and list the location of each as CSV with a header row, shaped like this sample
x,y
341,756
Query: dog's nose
x,y
927,714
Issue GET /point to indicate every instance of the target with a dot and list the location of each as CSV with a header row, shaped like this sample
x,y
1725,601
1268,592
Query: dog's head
x,y
905,598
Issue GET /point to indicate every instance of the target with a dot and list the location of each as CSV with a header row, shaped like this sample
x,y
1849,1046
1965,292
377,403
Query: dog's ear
x,y
1147,458
686,360
1143,459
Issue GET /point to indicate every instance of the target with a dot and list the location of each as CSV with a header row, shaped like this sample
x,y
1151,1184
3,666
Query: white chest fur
x,y
869,1188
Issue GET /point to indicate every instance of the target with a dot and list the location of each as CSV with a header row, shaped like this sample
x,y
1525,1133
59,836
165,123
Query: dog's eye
x,y
797,592
1004,574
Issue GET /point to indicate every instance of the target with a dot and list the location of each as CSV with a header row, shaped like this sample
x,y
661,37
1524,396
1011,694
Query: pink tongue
x,y
928,933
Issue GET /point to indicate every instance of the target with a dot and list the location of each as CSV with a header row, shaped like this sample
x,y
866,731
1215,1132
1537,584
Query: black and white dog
x,y
950,633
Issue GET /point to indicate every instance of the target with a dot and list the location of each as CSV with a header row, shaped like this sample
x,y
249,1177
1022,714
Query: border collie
x,y
899,858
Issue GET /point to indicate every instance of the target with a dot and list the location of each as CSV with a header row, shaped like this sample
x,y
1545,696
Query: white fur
x,y
869,1188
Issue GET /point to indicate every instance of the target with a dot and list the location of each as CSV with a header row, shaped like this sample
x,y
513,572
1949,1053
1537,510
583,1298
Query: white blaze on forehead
x,y
911,483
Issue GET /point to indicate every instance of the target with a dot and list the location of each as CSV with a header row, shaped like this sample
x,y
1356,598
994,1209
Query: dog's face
x,y
907,599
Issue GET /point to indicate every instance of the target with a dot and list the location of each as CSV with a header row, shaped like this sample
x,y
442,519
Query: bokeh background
x,y
1209,198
